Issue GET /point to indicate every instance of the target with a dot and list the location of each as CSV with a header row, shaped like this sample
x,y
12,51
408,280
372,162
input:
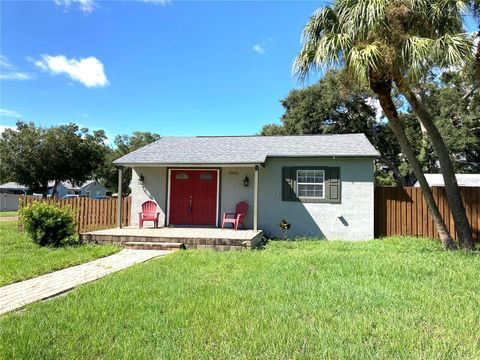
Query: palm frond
x,y
362,59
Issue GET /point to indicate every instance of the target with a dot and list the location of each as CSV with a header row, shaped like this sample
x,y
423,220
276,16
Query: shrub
x,y
47,224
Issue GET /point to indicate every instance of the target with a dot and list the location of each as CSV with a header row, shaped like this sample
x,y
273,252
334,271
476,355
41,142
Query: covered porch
x,y
176,238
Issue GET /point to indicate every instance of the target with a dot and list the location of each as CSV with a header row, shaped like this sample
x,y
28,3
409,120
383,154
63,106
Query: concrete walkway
x,y
17,295
8,218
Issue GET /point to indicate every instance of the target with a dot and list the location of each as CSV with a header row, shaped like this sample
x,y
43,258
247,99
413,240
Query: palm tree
x,y
474,6
437,40
369,40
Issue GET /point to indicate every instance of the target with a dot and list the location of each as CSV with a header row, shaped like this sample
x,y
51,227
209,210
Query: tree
x,y
123,145
334,106
358,35
33,155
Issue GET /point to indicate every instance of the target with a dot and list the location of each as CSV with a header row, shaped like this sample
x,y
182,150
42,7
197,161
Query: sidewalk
x,y
17,295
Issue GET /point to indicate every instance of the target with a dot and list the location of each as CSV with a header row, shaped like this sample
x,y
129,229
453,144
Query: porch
x,y
176,238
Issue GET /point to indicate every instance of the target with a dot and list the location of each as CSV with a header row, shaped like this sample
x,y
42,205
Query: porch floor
x,y
191,237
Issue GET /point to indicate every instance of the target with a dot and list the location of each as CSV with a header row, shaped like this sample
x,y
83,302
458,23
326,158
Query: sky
x,y
170,67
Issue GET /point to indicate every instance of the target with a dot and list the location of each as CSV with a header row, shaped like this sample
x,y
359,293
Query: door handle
x,y
190,204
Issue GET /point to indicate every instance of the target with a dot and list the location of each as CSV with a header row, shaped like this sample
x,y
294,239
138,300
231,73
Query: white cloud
x,y
89,71
8,71
3,128
4,63
14,76
9,113
259,49
87,6
376,105
161,2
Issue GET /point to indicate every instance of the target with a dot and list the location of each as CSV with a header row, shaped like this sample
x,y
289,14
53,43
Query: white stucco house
x,y
322,184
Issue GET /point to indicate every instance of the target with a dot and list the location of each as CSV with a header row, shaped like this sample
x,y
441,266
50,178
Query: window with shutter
x,y
317,184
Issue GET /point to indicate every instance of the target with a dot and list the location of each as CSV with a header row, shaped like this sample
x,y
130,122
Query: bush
x,y
47,224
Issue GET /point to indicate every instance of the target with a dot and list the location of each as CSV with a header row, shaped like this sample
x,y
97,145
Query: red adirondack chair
x,y
237,217
149,213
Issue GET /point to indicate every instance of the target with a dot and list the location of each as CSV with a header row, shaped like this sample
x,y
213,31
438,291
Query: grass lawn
x,y
21,259
8,213
391,298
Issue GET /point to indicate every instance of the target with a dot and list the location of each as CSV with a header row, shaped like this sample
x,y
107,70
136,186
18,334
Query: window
x,y
311,184
181,176
206,176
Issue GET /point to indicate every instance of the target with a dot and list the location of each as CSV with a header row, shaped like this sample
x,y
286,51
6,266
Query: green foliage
x,y
33,155
22,259
47,224
124,144
393,298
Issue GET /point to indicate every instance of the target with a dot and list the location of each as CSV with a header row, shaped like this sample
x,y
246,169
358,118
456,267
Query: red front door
x,y
193,197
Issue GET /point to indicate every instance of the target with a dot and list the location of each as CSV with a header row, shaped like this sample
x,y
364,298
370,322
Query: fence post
x,y
119,199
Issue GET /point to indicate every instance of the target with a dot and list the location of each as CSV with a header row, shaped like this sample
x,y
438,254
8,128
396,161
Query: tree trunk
x,y
452,190
477,59
383,87
54,188
399,179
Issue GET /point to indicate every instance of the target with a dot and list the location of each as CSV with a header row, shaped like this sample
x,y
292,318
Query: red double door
x,y
193,197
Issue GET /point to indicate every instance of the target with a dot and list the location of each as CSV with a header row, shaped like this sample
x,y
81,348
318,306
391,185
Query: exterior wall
x,y
154,188
232,191
94,189
352,219
9,202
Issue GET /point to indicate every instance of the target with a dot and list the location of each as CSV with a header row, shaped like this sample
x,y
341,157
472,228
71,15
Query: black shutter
x,y
288,184
333,184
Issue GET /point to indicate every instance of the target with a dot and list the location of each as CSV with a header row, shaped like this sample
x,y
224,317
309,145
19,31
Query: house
x,y
90,188
13,188
322,184
469,180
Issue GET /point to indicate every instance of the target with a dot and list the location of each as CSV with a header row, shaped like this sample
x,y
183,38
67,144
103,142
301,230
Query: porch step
x,y
143,245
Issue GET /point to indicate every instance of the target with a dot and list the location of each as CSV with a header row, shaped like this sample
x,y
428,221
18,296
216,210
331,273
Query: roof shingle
x,y
246,149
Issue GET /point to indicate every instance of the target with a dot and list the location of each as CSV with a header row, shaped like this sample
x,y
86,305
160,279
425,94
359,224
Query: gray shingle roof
x,y
246,149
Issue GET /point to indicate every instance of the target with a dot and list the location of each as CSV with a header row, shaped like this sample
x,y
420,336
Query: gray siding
x,y
352,219
94,189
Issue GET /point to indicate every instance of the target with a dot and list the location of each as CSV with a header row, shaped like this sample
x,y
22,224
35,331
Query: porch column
x,y
119,199
255,199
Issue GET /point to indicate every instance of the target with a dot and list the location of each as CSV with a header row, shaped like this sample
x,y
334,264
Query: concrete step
x,y
144,245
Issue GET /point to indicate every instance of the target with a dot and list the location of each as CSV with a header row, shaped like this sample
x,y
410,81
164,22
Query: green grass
x,y
394,298
21,259
8,213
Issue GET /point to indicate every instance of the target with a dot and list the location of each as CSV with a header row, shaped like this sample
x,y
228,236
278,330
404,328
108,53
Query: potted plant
x,y
284,227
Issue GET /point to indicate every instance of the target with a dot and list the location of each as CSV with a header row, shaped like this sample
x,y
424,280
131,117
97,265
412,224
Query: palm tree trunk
x,y
477,59
397,175
452,190
383,90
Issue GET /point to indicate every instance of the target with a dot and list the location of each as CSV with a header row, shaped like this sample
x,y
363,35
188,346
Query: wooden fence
x,y
403,211
91,214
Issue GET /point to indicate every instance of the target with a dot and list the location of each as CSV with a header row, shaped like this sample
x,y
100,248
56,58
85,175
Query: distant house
x,y
13,188
469,180
90,188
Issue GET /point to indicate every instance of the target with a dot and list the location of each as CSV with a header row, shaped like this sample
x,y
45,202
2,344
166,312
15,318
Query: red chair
x,y
237,217
149,213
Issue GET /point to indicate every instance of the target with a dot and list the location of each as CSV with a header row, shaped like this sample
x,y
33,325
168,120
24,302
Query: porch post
x,y
255,200
119,199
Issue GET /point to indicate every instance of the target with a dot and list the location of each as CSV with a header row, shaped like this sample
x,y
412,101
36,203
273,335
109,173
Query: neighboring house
x,y
470,180
90,188
13,188
322,184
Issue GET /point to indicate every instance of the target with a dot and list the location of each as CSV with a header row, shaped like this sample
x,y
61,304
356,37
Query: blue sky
x,y
175,68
